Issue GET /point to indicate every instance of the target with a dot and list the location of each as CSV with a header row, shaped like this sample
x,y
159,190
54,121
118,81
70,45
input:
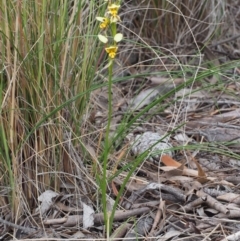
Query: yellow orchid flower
x,y
113,11
112,51
104,22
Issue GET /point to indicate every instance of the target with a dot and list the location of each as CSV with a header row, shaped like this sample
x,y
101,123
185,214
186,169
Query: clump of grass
x,y
49,54
169,23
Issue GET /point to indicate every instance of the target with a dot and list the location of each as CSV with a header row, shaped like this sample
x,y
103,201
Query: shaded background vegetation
x,y
50,58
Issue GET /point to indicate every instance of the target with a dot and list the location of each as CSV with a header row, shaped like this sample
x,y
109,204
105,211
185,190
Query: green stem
x,y
107,143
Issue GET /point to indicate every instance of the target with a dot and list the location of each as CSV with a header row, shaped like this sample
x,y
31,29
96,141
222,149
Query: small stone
x,y
153,142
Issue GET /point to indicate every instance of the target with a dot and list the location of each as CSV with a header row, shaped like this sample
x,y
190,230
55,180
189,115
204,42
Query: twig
x,y
26,230
226,40
72,220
